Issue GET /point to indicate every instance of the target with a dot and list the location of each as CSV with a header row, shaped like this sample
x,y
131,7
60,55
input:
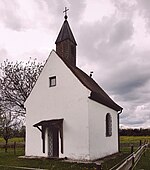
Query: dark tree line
x,y
135,132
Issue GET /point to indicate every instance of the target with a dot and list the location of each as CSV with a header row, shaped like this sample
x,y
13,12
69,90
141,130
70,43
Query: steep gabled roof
x,y
97,93
65,33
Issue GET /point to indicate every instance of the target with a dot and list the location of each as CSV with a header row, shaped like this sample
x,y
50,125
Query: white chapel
x,y
67,113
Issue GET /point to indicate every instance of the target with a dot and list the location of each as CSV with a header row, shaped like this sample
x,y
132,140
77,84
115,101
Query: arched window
x,y
108,125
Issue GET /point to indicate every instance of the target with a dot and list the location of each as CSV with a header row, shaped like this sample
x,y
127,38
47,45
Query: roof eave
x,y
110,104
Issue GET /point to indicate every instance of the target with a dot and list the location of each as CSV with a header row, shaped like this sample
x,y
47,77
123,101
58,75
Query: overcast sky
x,y
113,38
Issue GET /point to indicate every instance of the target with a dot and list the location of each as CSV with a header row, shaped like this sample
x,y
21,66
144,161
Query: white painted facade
x,y
84,126
100,145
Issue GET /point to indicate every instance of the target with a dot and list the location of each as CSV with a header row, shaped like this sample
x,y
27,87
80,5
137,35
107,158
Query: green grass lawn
x,y
18,140
126,150
134,139
144,162
9,159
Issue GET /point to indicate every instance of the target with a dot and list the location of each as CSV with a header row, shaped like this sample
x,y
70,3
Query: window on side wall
x,y
108,125
52,81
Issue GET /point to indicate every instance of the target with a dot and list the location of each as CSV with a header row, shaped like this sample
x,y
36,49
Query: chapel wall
x,y
100,145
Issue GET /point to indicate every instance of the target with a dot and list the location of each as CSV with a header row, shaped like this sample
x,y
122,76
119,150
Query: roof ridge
x,y
97,93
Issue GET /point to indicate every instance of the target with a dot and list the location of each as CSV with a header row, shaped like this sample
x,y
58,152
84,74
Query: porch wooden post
x,y
43,138
61,137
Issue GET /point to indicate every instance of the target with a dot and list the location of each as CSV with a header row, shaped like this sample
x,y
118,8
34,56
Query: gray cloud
x,y
3,54
55,10
53,7
106,46
136,117
121,32
77,8
133,122
121,69
143,7
9,14
94,37
129,77
125,8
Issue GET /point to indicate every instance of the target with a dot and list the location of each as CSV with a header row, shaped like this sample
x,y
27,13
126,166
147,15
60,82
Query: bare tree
x,y
8,122
16,82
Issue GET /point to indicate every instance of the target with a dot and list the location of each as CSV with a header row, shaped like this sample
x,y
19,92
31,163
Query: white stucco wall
x,y
67,100
100,145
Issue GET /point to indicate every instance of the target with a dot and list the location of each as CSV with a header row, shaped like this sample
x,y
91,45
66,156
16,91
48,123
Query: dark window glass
x,y
52,81
108,125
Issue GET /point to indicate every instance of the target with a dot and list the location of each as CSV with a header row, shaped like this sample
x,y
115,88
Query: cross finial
x,y
65,11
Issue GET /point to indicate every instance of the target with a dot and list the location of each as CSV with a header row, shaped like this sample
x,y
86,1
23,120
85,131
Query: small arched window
x,y
108,125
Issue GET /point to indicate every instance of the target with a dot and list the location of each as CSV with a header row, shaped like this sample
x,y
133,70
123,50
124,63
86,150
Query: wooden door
x,y
53,142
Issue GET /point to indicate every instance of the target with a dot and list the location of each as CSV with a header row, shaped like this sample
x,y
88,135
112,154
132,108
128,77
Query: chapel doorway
x,y
54,127
53,142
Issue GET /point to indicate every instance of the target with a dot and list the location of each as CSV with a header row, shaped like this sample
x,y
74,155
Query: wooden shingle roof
x,y
65,33
97,93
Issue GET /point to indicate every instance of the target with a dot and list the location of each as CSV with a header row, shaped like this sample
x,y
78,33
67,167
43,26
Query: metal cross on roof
x,y
65,11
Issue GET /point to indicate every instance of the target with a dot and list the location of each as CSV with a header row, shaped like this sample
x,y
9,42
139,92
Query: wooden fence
x,y
13,146
131,161
127,164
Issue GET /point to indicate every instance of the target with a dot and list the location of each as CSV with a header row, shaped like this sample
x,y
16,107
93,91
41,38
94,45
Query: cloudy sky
x,y
113,38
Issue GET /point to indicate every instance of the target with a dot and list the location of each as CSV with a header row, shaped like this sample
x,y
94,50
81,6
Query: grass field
x,y
144,163
12,140
134,139
10,159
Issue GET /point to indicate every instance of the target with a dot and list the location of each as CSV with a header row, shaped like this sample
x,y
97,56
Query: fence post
x,y
132,152
144,152
132,148
14,148
140,143
132,160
